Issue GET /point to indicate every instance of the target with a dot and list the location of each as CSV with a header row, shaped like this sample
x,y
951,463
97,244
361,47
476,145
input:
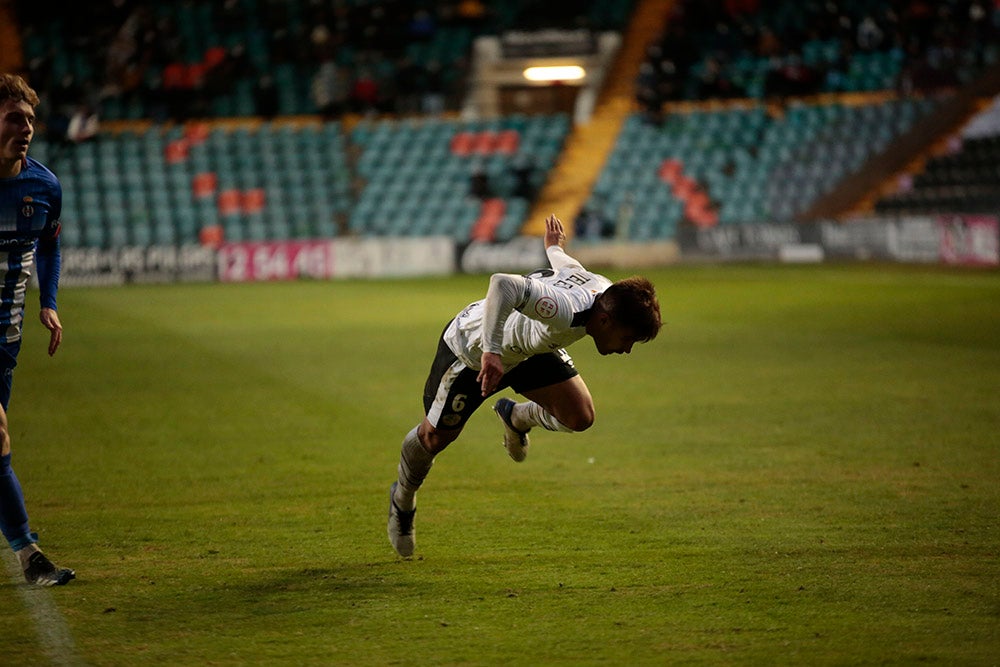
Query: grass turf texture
x,y
802,469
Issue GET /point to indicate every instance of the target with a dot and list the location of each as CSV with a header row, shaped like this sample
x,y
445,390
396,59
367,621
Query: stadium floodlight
x,y
555,73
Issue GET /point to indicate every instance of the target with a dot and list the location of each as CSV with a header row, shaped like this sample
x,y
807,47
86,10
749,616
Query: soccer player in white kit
x,y
515,337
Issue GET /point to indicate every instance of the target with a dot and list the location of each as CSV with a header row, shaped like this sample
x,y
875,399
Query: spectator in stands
x,y
791,77
523,171
84,124
364,94
647,93
768,43
330,89
870,35
433,102
835,75
222,67
410,84
385,78
265,97
422,26
479,182
321,43
714,83
63,100
123,50
591,226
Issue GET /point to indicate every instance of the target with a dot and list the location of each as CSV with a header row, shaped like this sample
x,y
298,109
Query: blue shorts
x,y
8,360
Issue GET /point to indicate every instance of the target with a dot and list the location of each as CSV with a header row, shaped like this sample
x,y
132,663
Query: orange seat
x,y
194,75
461,143
670,170
508,142
213,56
174,75
484,142
684,186
196,133
252,201
211,236
229,202
176,151
490,214
203,185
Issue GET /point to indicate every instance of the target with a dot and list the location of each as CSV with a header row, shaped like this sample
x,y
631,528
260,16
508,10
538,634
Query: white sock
x,y
24,554
414,464
524,416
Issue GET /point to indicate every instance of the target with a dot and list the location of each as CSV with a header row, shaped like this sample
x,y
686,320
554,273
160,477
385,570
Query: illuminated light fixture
x,y
555,73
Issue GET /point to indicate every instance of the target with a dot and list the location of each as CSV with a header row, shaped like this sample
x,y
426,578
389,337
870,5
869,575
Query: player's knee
x,y
435,440
579,419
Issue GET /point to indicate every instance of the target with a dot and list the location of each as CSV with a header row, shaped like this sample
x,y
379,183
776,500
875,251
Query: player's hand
x,y
492,371
554,232
50,318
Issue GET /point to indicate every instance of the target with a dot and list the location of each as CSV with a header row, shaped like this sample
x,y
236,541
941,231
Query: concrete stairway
x,y
588,144
10,37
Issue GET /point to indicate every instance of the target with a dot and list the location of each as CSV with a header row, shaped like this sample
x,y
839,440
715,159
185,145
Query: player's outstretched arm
x,y
555,244
503,296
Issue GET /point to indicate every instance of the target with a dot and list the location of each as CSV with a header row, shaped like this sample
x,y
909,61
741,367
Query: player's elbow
x,y
505,282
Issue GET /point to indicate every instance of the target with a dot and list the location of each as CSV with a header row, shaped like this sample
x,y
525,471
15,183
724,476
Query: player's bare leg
x,y
416,457
565,406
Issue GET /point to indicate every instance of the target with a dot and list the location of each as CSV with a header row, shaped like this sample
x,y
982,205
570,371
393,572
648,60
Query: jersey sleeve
x,y
506,292
48,257
558,258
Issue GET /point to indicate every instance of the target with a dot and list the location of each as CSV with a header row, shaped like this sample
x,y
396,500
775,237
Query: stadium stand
x,y
413,170
737,165
758,50
963,178
293,119
279,181
236,58
176,185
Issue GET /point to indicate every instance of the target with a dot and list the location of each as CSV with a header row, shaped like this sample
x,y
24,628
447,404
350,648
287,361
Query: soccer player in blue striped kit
x,y
515,338
30,204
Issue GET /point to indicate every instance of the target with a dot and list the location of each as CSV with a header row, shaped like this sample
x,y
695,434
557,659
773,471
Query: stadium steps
x,y
588,145
11,59
942,145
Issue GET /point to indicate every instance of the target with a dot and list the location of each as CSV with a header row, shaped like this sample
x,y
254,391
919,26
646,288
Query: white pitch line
x,y
50,626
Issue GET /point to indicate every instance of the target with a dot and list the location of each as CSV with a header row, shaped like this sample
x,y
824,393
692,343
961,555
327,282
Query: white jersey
x,y
548,315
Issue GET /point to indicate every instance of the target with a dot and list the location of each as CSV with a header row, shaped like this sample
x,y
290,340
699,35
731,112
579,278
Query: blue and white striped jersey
x,y
30,206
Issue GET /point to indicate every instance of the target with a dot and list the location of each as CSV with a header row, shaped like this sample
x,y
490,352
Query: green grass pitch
x,y
802,469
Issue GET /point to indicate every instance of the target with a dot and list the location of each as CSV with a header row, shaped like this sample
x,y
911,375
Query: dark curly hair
x,y
632,303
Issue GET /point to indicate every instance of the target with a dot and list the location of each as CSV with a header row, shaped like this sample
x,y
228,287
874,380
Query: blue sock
x,y
13,515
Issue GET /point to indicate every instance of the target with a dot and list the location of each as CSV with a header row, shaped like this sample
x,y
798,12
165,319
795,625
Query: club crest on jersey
x,y
546,308
27,210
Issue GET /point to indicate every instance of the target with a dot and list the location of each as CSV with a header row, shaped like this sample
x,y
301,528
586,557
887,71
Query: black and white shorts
x,y
452,392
